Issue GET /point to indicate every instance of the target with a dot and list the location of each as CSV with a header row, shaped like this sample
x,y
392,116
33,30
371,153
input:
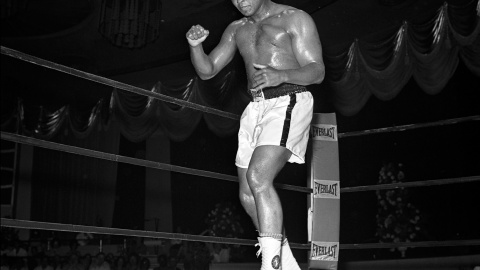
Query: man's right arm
x,y
207,66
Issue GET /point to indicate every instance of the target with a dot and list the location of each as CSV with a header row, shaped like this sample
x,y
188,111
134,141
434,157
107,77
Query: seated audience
x,y
144,263
162,261
120,263
99,263
86,261
73,263
16,250
43,263
133,262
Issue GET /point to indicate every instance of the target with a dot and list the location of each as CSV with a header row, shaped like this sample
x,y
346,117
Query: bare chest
x,y
263,41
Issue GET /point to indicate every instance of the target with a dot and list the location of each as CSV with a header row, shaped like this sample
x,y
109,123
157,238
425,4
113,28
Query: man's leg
x,y
265,164
264,154
246,197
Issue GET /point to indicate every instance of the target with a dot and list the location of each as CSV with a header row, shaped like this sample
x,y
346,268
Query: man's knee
x,y
246,197
248,201
258,180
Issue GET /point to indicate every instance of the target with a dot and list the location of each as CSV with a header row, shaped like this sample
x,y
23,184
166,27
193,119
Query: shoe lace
x,y
259,249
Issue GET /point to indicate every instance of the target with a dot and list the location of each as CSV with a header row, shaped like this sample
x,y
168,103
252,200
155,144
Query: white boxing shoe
x,y
270,249
287,259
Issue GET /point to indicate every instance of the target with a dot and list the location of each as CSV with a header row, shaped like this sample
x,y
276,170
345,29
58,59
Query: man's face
x,y
247,7
100,259
74,258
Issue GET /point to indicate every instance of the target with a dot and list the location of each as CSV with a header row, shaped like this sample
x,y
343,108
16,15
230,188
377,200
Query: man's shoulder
x,y
238,23
293,18
293,13
234,26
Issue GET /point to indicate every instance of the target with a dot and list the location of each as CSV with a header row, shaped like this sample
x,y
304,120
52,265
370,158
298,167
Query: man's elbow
x,y
317,71
206,75
319,76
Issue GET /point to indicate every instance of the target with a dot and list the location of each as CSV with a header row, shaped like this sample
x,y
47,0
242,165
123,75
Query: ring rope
x,y
27,224
157,165
134,161
447,243
409,126
113,83
111,157
168,167
49,226
424,183
140,91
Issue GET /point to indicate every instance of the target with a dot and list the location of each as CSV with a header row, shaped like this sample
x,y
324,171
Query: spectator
x,y
166,262
19,264
33,255
172,263
73,263
4,248
42,248
100,263
17,250
133,262
144,263
219,252
86,261
55,249
74,248
175,244
33,252
58,262
110,259
43,263
5,262
162,261
138,246
120,263
83,238
195,256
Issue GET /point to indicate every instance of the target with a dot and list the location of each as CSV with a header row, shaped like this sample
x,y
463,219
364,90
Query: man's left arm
x,y
307,48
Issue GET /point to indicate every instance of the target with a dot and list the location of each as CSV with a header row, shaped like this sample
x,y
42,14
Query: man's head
x,y
162,260
144,263
73,258
44,261
172,260
100,258
249,7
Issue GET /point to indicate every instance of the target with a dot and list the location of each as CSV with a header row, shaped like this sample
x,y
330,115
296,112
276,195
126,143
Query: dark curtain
x,y
140,116
429,53
129,210
70,188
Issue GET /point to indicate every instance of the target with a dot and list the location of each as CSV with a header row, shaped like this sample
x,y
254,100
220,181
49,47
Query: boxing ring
x,y
324,211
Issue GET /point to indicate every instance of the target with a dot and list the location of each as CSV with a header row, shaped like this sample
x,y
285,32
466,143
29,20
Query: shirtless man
x,y
282,53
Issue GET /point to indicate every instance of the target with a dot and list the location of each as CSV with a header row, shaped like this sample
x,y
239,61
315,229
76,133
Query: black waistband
x,y
278,91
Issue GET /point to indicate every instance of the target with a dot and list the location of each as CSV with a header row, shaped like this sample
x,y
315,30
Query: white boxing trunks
x,y
283,121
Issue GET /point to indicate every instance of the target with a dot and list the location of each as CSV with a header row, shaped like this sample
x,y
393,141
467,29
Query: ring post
x,y
324,202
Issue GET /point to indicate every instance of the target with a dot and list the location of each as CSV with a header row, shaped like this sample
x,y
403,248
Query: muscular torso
x,y
267,42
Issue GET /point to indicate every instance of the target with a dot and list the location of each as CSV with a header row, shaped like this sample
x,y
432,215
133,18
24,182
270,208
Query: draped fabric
x,y
70,188
140,116
429,53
